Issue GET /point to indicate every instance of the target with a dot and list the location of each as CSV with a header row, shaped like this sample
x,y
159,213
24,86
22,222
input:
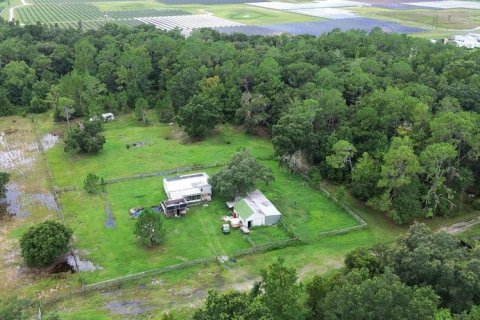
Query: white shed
x,y
256,210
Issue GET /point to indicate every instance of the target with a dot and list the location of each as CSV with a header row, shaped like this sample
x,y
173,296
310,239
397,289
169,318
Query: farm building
x,y
194,188
174,208
256,210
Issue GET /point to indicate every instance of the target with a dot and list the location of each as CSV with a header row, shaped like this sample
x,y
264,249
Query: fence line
x,y
148,175
341,231
60,215
266,247
135,276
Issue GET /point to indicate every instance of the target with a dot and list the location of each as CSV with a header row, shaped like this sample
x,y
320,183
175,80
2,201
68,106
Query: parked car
x,y
226,228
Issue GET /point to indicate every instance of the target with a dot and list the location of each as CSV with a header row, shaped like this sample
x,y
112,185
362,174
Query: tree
x,y
343,151
141,106
381,297
134,69
253,111
281,293
232,305
294,130
91,184
435,259
4,178
18,79
365,176
398,174
85,138
203,111
437,161
43,243
361,258
149,228
83,89
84,57
240,175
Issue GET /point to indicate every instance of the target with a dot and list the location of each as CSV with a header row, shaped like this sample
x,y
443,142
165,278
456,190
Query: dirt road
x,y
11,15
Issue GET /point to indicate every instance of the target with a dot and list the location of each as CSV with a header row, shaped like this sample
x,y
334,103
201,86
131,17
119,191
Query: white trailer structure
x,y
194,188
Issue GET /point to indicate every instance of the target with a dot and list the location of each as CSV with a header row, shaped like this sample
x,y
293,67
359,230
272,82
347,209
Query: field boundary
x,y
139,176
362,224
266,247
60,215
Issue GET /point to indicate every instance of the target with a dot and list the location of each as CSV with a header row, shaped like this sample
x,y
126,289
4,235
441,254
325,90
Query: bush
x,y
13,308
42,244
476,204
85,138
92,183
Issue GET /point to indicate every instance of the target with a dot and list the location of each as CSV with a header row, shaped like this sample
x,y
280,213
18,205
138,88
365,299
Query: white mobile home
x,y
194,188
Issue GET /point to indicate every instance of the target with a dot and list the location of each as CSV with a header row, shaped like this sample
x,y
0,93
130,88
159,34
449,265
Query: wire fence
x,y
266,247
116,282
60,215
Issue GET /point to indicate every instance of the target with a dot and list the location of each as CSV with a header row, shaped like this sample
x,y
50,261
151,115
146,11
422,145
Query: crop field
x,y
115,251
58,13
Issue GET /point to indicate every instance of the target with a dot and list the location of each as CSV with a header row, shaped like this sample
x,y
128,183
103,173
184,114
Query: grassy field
x,y
441,22
306,211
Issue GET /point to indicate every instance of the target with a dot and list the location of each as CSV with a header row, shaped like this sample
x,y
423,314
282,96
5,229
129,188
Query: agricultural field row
x,y
128,14
48,13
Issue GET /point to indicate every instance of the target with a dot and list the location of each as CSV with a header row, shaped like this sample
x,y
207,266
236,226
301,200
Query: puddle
x,y
126,307
110,222
46,200
18,154
13,199
83,265
16,200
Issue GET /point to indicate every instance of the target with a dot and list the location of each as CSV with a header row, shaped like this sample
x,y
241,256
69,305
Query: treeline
x,y
422,276
393,117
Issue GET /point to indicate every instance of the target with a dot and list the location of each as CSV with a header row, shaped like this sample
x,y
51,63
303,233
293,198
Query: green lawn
x,y
163,149
306,211
197,235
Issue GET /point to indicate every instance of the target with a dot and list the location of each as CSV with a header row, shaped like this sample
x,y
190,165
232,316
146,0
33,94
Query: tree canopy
x,y
241,175
43,243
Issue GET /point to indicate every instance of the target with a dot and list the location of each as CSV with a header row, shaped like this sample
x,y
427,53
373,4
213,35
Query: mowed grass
x,y
117,251
164,149
306,211
197,235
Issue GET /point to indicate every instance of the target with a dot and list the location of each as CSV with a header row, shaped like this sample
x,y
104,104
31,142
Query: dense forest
x,y
392,117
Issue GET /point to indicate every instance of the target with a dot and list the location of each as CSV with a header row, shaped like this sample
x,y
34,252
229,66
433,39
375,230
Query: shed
x,y
256,210
194,188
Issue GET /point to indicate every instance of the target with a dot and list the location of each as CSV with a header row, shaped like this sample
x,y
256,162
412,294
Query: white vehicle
x,y
105,117
108,116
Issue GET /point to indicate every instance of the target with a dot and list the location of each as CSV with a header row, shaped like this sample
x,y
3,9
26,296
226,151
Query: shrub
x,y
45,242
91,184
85,138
